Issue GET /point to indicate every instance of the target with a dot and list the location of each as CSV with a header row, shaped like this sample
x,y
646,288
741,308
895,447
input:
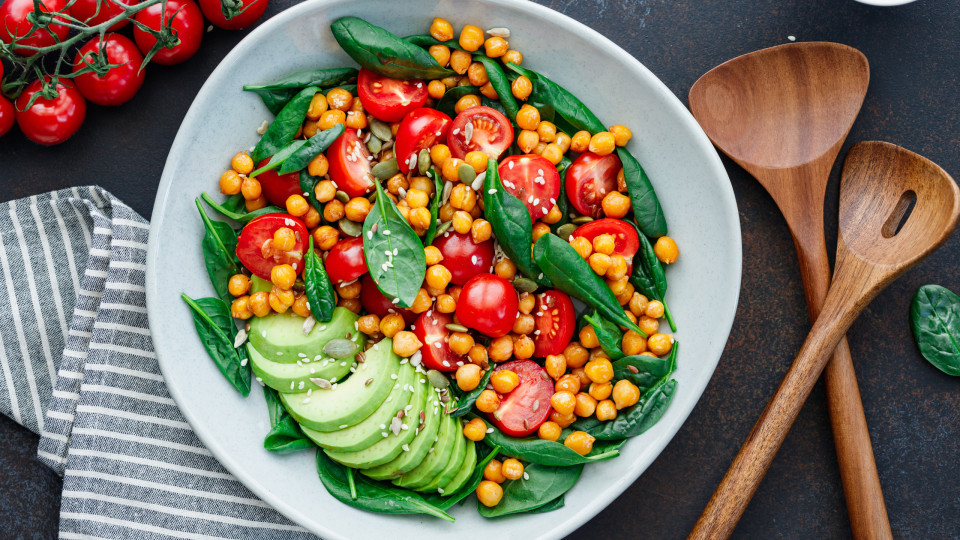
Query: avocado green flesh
x,y
466,469
391,446
453,465
407,461
352,400
258,284
436,459
279,336
368,432
288,378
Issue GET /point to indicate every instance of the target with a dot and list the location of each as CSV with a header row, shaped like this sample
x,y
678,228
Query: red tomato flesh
x,y
121,83
517,415
255,244
463,257
345,261
533,180
431,330
626,241
488,304
350,164
556,320
480,128
375,302
278,187
589,178
389,99
420,129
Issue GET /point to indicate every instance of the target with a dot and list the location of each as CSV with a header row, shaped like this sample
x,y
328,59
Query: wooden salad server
x,y
879,240
783,113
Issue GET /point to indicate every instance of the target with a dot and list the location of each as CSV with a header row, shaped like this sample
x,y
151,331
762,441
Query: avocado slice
x,y
284,377
258,284
280,337
407,461
463,475
437,458
368,432
350,401
390,446
453,466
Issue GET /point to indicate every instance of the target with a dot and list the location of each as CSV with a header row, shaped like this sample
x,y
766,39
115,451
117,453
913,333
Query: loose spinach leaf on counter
x,y
276,94
219,253
447,501
393,251
608,334
544,452
648,276
500,83
318,287
638,418
382,52
217,331
285,434
539,486
466,402
448,102
510,221
935,320
372,495
304,154
236,216
285,126
431,233
572,275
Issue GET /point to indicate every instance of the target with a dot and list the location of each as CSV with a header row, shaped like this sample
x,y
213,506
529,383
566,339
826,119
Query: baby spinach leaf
x,y
304,154
307,185
572,275
276,94
211,317
649,370
544,452
371,495
285,435
426,41
540,485
500,83
935,320
495,104
278,159
394,253
466,402
319,290
237,216
449,100
563,102
608,334
382,52
285,126
648,276
510,221
445,502
647,212
431,233
219,253
555,504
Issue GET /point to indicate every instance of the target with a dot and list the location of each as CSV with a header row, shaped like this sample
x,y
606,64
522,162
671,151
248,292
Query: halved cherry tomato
x,y
480,128
626,241
533,180
187,23
462,257
589,178
121,83
255,244
419,129
14,23
346,261
489,304
350,164
431,330
375,302
94,12
51,121
556,321
251,11
389,99
517,415
278,187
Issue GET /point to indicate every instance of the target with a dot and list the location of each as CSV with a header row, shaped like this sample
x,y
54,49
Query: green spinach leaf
x,y
649,370
382,52
281,157
285,435
319,290
573,275
647,212
276,94
466,401
217,331
304,154
431,233
219,253
285,126
555,504
448,102
608,334
544,452
394,253
935,320
228,212
540,485
500,83
307,185
563,102
426,41
648,276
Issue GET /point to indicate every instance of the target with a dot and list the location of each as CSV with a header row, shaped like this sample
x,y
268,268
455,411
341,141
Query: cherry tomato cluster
x,y
51,121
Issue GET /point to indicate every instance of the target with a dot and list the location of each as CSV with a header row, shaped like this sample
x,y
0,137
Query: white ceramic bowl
x,y
688,175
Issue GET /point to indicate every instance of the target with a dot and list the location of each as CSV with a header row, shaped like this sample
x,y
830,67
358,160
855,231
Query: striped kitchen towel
x,y
78,368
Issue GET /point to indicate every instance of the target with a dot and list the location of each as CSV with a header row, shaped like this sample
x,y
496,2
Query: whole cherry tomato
x,y
277,188
14,24
187,25
375,302
533,180
517,415
121,83
463,257
390,99
255,244
251,11
346,261
94,12
51,121
419,129
489,304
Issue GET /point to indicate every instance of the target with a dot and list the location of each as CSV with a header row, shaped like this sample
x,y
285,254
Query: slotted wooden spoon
x,y
879,240
782,113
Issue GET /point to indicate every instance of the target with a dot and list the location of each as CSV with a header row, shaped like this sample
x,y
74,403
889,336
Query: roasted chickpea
x,y
505,269
621,134
563,402
240,308
583,246
606,410
523,347
588,337
580,442
638,304
524,324
521,88
660,344
615,204
549,431
580,142
552,153
325,191
602,143
666,250
512,56
449,170
527,141
600,370
575,354
333,211
260,303
556,365
446,304
500,349
331,118
478,355
242,163
471,38
599,263
391,324
528,118
475,430
468,376
600,391
297,205
462,221
563,420
283,276
488,401
633,343
441,29
460,343
340,99
422,302
405,343
504,381
563,141
586,405
230,183
655,309
251,188
540,229
489,493
625,394
301,306
547,131
238,285
567,383
256,204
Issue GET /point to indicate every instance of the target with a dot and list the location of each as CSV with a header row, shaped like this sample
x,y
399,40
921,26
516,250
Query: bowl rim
x,y
700,141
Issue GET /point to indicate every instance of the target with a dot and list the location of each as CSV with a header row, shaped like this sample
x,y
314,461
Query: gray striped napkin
x,y
78,367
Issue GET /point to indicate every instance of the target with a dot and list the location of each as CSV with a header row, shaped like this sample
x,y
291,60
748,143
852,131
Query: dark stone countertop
x,y
913,409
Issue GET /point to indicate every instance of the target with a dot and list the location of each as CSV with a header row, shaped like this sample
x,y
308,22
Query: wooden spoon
x,y
782,113
879,240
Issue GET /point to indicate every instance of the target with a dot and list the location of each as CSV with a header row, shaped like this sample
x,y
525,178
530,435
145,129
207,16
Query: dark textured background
x,y
912,408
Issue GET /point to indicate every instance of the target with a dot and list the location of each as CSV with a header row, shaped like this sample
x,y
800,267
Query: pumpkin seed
x,y
466,173
385,169
580,220
340,348
350,228
437,379
443,227
423,161
374,145
565,231
523,284
343,197
453,327
381,130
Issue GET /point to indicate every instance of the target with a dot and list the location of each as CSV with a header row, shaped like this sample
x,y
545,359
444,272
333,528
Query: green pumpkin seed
x,y
523,284
580,220
466,173
385,169
566,230
423,161
381,130
437,379
374,145
343,197
443,227
340,348
457,328
350,228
